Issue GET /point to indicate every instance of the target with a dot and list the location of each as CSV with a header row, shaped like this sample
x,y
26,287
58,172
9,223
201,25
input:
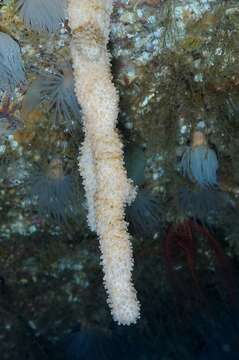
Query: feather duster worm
x,y
204,203
42,15
200,165
57,89
199,162
11,65
143,214
90,24
55,192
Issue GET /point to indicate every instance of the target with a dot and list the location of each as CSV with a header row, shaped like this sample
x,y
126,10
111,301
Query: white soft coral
x,y
102,154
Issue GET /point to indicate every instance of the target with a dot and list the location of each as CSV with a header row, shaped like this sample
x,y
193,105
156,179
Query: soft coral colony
x,y
102,154
108,190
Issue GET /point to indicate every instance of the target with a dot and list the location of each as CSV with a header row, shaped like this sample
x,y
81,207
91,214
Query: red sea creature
x,y
181,240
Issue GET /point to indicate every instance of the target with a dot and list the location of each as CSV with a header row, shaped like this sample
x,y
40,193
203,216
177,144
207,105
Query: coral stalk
x,y
102,153
87,169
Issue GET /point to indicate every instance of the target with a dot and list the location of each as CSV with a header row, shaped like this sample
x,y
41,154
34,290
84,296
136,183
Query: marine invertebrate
x,y
55,192
198,202
90,24
203,203
42,15
200,165
181,239
11,65
199,162
135,162
57,89
89,181
143,214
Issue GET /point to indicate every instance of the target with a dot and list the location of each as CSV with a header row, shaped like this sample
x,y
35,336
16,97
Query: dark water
x,y
180,326
185,323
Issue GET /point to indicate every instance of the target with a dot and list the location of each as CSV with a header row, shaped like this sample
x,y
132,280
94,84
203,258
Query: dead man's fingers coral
x,y
90,24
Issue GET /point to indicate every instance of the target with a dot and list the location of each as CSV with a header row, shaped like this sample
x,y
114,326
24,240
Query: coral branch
x,y
102,154
87,170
